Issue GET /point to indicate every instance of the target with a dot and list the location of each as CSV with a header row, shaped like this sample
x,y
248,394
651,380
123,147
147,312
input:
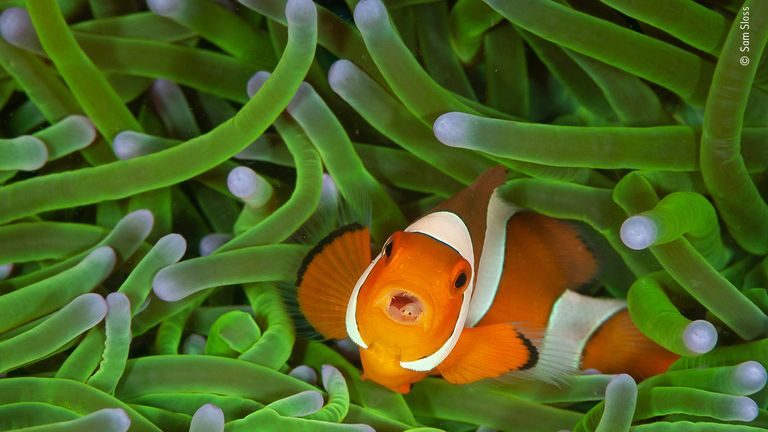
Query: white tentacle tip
x,y
243,182
14,20
744,409
25,153
40,151
141,216
5,270
349,349
302,93
329,193
166,8
310,402
103,257
127,145
121,418
700,337
16,28
166,287
638,232
304,373
369,13
749,377
451,129
194,344
118,302
210,242
141,222
208,417
162,88
300,12
144,305
256,82
315,401
621,383
172,246
84,127
113,419
330,373
95,307
340,73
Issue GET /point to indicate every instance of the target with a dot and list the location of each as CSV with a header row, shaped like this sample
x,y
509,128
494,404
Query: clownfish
x,y
477,288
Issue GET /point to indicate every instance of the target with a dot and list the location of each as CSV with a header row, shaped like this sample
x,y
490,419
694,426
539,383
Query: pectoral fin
x,y
488,352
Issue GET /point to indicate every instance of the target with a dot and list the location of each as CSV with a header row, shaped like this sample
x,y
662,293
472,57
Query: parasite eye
x,y
460,280
388,249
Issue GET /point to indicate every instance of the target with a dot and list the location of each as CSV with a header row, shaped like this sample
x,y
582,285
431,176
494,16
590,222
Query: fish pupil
x,y
460,280
388,249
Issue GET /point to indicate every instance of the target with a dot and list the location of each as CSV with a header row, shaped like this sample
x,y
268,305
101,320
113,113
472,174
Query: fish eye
x,y
461,280
388,248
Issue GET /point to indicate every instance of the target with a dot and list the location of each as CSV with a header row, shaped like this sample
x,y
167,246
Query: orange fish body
x,y
535,280
475,289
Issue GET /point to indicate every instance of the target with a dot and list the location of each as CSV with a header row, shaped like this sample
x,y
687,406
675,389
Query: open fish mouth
x,y
404,307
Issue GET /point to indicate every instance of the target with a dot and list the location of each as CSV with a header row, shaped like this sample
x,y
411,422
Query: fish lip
x,y
404,307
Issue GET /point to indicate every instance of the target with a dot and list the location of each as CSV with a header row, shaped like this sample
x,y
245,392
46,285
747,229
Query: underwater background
x,y
152,185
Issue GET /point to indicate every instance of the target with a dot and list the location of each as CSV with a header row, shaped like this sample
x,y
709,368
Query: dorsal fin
x,y
328,275
471,205
566,242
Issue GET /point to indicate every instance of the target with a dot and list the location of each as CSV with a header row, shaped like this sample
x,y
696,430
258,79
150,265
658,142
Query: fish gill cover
x,y
150,196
